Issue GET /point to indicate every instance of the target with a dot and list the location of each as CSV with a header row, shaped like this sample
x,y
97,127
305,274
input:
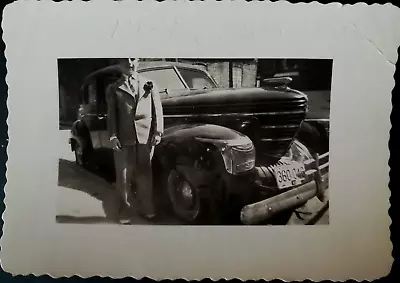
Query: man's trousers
x,y
134,176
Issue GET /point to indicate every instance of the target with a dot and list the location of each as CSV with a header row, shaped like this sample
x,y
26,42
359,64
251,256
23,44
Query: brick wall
x,y
249,74
219,71
244,73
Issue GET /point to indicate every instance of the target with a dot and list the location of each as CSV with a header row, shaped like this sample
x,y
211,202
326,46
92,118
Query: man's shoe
x,y
151,216
125,221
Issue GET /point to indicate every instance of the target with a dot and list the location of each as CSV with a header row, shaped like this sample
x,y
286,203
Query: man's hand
x,y
115,144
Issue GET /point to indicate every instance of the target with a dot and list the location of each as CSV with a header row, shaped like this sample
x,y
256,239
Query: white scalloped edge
x,y
4,214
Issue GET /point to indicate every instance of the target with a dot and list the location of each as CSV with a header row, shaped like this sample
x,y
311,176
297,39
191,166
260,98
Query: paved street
x,y
87,197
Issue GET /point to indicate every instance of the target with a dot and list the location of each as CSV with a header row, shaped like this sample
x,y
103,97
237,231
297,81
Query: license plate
x,y
289,175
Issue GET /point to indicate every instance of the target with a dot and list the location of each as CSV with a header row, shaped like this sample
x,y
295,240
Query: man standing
x,y
135,124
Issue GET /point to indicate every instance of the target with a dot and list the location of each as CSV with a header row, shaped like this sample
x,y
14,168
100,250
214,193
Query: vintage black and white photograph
x,y
189,141
198,139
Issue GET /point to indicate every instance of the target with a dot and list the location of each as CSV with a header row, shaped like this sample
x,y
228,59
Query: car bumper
x,y
315,186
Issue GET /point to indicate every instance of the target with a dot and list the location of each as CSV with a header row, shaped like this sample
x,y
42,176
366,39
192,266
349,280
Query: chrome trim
x,y
235,114
310,172
100,116
290,126
180,77
308,162
323,166
279,139
89,115
243,147
317,120
324,155
284,82
283,74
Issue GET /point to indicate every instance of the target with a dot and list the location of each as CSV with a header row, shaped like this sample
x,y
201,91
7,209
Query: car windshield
x,y
165,79
196,79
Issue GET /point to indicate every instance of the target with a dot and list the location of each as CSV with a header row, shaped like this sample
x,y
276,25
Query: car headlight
x,y
238,158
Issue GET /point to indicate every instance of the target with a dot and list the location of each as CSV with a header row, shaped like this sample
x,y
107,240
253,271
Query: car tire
x,y
184,200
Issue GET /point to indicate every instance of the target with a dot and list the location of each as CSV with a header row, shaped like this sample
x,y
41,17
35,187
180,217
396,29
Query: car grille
x,y
279,126
279,121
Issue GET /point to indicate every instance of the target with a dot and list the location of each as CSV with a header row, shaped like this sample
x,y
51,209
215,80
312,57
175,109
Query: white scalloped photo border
x,y
362,40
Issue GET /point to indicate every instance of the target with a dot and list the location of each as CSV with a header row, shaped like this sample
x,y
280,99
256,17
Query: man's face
x,y
133,65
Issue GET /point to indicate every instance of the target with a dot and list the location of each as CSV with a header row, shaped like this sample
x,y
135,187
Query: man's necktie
x,y
133,85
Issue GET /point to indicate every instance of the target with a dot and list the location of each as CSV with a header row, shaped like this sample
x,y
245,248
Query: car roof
x,y
106,70
144,65
165,64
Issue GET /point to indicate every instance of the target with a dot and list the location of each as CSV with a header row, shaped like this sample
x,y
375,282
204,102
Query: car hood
x,y
226,96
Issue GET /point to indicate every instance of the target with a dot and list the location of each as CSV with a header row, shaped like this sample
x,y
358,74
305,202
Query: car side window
x,y
166,79
89,94
196,79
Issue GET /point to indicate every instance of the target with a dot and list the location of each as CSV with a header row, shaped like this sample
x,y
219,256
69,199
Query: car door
x,y
102,84
91,116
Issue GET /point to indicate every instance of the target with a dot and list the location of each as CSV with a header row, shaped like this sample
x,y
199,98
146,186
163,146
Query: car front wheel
x,y
184,197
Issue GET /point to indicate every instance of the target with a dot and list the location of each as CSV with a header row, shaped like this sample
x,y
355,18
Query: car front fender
x,y
214,133
197,142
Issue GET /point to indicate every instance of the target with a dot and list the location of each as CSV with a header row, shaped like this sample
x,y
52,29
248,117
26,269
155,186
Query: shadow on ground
x,y
96,181
82,219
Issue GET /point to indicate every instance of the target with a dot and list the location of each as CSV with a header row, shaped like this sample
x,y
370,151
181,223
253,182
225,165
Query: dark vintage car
x,y
225,153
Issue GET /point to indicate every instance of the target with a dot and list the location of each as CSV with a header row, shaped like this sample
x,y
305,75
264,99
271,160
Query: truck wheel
x,y
184,198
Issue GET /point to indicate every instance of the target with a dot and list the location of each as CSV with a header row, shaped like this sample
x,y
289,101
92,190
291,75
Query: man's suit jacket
x,y
123,120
